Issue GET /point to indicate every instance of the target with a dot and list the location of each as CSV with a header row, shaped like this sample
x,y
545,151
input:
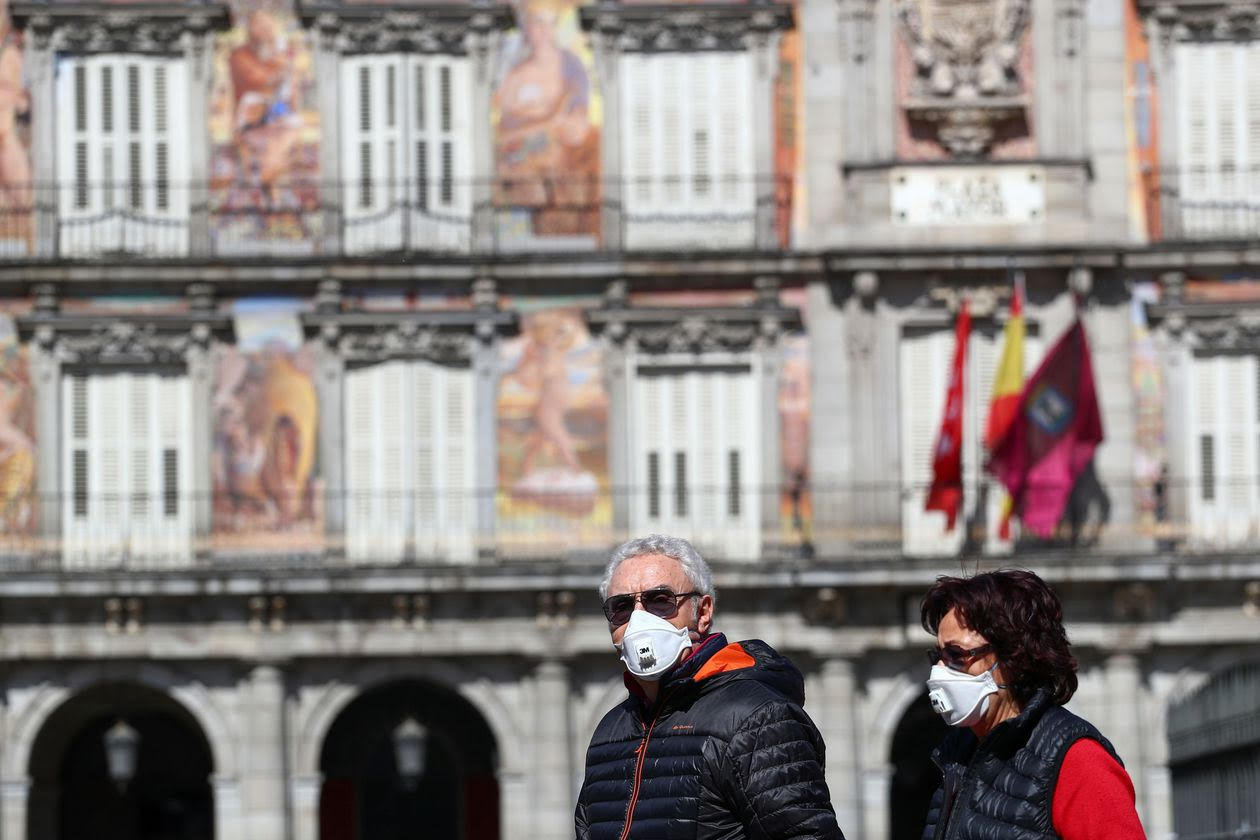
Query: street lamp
x,y
122,743
409,741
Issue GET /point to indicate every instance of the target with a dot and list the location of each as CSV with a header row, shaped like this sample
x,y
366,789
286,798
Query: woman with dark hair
x,y
1018,764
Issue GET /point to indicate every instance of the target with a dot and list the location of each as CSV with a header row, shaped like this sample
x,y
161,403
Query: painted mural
x,y
547,117
264,130
18,510
796,502
553,431
1142,139
266,414
15,161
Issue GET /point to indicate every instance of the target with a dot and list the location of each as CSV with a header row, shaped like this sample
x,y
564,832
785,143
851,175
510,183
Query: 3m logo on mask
x,y
647,656
939,704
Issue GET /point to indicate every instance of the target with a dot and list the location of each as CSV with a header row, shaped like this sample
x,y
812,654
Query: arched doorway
x,y
1214,756
73,795
366,797
915,777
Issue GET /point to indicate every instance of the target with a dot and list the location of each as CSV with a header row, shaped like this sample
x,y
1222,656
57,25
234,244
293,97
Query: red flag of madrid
x,y
946,493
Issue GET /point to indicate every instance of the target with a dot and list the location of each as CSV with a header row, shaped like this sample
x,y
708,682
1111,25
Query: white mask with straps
x,y
651,645
961,699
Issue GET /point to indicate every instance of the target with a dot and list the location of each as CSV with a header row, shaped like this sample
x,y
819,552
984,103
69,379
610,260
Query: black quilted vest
x,y
1002,788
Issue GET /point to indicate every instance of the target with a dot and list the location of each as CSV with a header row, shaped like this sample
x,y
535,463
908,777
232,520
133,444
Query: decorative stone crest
x,y
1240,331
965,55
121,32
123,343
405,339
691,29
452,30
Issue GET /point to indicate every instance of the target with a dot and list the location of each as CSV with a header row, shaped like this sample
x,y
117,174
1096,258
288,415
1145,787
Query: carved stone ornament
x,y
1198,21
404,32
406,340
694,29
122,32
1236,332
124,343
696,333
966,55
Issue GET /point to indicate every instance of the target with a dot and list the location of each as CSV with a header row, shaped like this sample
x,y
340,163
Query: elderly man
x,y
712,741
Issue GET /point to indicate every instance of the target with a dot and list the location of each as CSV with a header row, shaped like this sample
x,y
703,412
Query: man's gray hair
x,y
685,553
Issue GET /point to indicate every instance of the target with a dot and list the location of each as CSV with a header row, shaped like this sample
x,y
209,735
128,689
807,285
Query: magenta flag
x,y
1053,436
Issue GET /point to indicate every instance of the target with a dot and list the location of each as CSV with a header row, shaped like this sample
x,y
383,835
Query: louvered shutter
x,y
128,441
923,376
1224,494
405,142
377,483
373,152
687,155
695,438
121,138
1219,123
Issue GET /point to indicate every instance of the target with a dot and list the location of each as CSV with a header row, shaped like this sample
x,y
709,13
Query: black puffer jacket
x,y
1002,788
727,752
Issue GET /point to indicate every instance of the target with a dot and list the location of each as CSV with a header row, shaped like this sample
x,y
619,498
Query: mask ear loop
x,y
995,682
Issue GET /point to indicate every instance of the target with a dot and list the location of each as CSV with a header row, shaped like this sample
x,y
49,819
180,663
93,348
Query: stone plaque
x,y
968,195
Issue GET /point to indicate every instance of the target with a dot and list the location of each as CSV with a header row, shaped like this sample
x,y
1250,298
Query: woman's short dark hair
x,y
1021,617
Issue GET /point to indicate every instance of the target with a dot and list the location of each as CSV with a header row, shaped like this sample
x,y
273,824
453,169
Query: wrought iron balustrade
x,y
165,220
1205,203
411,527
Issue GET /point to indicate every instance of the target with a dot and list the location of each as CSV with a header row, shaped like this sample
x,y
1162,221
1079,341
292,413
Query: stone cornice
x,y
133,340
368,28
685,28
447,337
88,28
1218,326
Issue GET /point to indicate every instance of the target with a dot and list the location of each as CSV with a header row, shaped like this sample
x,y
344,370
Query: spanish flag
x,y
1008,385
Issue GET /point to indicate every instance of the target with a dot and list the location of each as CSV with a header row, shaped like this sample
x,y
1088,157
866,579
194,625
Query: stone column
x,y
765,47
228,818
304,794
198,55
46,376
328,71
13,801
770,353
485,364
42,90
200,361
836,718
330,386
1124,705
608,66
616,378
263,796
553,800
482,46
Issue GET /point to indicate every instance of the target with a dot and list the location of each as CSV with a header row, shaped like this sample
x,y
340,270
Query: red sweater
x,y
1093,799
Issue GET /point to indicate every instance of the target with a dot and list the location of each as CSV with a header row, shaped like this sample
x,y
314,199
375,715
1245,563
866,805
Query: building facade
x,y
341,343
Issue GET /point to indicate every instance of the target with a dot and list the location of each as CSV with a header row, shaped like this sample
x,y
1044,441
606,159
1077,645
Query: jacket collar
x,y
682,673
1005,738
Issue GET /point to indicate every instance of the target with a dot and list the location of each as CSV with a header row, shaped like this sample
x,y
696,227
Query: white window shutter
x,y
1196,136
695,470
376,475
129,445
122,132
924,374
1224,439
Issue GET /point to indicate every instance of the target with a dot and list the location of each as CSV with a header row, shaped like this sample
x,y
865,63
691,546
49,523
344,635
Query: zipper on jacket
x,y
641,751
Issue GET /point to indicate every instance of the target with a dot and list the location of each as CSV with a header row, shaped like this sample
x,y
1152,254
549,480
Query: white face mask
x,y
652,645
961,699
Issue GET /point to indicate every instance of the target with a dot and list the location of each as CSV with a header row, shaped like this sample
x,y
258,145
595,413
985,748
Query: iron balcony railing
x,y
800,523
1204,203
80,220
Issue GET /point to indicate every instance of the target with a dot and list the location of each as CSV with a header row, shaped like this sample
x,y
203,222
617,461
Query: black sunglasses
x,y
955,656
662,603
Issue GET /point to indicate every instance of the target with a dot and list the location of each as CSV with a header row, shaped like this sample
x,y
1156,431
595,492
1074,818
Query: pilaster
x,y
41,88
553,800
14,795
263,796
837,721
765,48
608,66
198,43
485,365
327,59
